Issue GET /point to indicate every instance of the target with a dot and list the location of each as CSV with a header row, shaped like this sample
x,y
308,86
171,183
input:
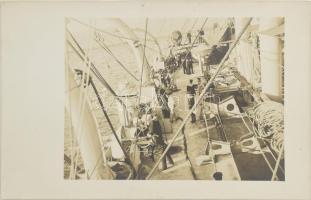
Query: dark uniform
x,y
189,37
156,130
191,100
189,63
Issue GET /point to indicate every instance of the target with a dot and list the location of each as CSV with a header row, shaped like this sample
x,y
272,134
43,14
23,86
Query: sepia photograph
x,y
155,99
174,98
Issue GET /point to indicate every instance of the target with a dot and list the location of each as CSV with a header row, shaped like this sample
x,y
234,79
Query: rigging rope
x,y
106,48
141,78
100,30
82,55
277,163
111,126
103,31
93,69
193,25
143,61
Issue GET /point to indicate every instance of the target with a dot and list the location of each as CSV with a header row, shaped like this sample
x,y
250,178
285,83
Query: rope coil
x,y
270,121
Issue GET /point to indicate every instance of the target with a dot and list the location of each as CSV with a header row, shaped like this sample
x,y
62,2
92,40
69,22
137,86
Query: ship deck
x,y
234,166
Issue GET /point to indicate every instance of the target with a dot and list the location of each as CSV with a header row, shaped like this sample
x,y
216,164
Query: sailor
x,y
163,78
178,60
163,99
173,63
146,119
172,106
214,56
168,79
170,63
142,128
191,100
173,85
189,65
200,88
156,130
207,77
191,93
189,37
184,64
157,83
201,35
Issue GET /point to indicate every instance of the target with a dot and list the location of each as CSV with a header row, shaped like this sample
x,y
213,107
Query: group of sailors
x,y
187,63
200,36
148,118
184,60
196,89
167,80
149,127
192,89
149,121
166,84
